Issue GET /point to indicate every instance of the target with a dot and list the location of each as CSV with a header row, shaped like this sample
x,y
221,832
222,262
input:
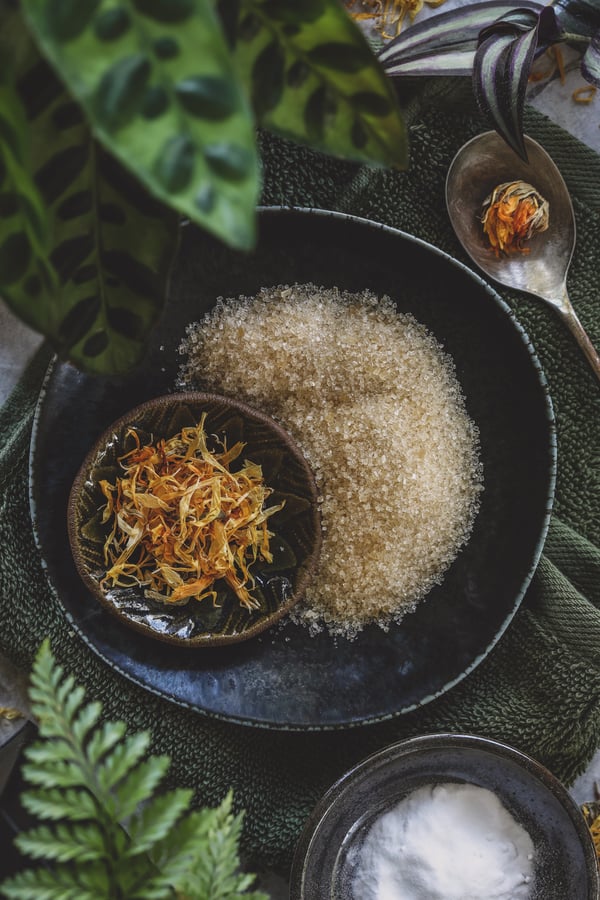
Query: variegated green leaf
x,y
156,80
445,44
110,244
24,232
501,73
313,78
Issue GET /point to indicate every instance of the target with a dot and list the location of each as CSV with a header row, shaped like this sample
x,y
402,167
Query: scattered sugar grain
x,y
374,403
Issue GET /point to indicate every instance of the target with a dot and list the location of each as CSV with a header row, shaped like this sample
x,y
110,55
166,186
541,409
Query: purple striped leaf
x,y
590,65
577,17
445,44
502,66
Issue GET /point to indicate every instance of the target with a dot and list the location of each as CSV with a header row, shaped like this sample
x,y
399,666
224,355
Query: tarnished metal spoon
x,y
480,165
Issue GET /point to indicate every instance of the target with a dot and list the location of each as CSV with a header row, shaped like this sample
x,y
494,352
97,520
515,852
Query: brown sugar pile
x,y
373,401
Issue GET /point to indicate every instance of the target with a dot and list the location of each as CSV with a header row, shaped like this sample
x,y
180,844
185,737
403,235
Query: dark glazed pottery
x,y
564,856
297,529
286,678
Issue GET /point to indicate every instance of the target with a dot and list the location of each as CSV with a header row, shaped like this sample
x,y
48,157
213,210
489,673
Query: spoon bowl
x,y
479,166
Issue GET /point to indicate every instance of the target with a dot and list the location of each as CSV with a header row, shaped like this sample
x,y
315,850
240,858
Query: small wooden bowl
x,y
297,527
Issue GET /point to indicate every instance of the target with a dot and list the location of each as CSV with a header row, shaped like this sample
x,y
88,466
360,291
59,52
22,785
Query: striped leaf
x,y
156,80
590,65
501,72
445,44
313,78
109,243
577,17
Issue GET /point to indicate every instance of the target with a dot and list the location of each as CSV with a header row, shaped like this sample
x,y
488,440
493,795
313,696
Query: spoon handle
x,y
571,320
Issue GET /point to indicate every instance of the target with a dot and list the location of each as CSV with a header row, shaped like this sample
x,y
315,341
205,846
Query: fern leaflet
x,y
108,835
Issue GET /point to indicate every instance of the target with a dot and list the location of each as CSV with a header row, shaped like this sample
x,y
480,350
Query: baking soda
x,y
446,842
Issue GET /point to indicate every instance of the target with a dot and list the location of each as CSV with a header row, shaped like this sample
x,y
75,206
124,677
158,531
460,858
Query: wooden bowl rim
x,y
306,570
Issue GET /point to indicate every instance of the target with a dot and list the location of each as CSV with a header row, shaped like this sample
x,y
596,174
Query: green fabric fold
x,y
538,689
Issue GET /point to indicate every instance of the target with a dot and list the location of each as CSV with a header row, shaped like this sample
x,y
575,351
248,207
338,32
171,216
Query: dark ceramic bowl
x,y
297,532
289,678
564,857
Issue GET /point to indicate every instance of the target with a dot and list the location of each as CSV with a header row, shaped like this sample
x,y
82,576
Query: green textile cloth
x,y
539,688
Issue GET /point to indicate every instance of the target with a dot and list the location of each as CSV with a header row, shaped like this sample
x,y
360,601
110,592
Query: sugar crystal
x,y
373,401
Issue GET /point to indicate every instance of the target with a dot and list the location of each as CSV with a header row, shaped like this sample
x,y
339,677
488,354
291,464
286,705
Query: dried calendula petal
x,y
591,814
9,713
180,519
512,214
585,93
388,15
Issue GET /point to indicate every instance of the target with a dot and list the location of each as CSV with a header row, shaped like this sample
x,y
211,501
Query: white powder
x,y
446,842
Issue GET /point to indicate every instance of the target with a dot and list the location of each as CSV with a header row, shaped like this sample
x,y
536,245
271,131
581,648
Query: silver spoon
x,y
479,166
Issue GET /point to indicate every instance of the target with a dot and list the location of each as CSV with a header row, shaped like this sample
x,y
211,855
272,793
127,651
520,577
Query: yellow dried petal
x,y
181,520
511,214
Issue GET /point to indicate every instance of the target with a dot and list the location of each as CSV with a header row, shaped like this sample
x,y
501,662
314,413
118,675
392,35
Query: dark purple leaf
x,y
581,17
513,22
549,30
502,67
496,86
590,65
445,44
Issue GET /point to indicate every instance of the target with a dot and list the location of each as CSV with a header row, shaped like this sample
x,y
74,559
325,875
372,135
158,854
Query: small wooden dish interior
x,y
297,530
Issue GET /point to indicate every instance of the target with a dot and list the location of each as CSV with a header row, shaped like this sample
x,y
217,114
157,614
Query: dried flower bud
x,y
512,214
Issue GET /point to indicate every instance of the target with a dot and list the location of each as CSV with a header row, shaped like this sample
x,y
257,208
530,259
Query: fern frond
x,y
87,719
218,876
47,674
61,883
175,856
69,699
55,697
55,703
157,819
55,775
55,804
150,891
108,835
63,843
139,785
122,760
137,881
106,736
200,857
56,750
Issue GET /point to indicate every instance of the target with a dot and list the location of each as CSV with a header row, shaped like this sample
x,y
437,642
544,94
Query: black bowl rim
x,y
249,412
440,741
